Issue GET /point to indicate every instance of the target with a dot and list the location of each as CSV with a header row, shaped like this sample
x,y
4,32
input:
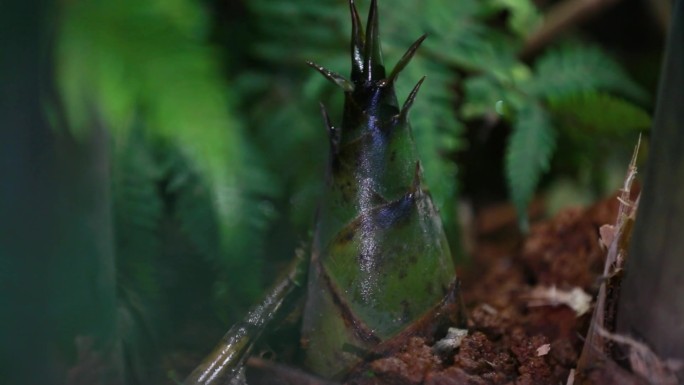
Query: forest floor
x,y
529,302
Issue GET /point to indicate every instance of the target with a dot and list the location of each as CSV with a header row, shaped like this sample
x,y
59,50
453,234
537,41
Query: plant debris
x,y
543,350
528,302
644,361
576,298
451,341
598,351
526,312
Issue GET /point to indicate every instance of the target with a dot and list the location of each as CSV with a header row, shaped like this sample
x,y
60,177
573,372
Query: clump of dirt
x,y
528,304
409,366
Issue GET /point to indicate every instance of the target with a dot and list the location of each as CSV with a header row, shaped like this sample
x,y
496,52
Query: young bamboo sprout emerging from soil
x,y
381,270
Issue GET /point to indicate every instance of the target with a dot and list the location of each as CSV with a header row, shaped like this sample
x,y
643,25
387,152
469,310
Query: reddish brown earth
x,y
504,330
512,339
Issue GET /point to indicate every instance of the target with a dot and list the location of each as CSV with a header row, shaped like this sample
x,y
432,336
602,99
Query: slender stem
x,y
559,18
226,361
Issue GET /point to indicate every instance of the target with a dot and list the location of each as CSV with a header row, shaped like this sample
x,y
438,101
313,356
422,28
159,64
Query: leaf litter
x,y
529,302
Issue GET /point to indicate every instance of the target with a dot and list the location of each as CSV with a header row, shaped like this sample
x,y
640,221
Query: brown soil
x,y
520,330
513,337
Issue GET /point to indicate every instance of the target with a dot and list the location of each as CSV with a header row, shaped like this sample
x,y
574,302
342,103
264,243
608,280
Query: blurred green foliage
x,y
219,150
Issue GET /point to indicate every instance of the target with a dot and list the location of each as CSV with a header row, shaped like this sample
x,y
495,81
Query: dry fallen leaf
x,y
577,299
571,377
451,341
543,350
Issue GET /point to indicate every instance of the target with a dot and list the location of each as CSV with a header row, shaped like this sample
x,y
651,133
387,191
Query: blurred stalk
x,y
24,209
57,306
225,364
561,17
662,12
652,299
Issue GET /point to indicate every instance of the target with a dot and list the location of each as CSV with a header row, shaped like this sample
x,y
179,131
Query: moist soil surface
x,y
528,304
529,301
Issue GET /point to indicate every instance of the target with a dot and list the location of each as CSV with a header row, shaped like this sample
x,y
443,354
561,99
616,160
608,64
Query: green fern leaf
x,y
435,129
528,155
573,68
599,112
524,16
285,30
482,93
233,249
458,34
488,94
150,62
137,212
137,215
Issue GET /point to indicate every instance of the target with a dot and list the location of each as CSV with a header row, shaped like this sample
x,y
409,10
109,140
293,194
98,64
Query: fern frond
x,y
192,206
573,68
482,93
233,249
137,213
283,110
435,129
599,112
524,17
528,155
150,61
285,30
457,33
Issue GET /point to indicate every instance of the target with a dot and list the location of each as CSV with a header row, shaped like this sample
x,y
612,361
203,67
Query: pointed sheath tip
x,y
333,133
336,78
404,61
403,115
357,43
373,13
373,69
372,25
326,117
356,20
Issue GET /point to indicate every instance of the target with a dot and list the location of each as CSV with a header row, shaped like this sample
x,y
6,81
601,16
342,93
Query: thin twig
x,y
662,13
558,19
